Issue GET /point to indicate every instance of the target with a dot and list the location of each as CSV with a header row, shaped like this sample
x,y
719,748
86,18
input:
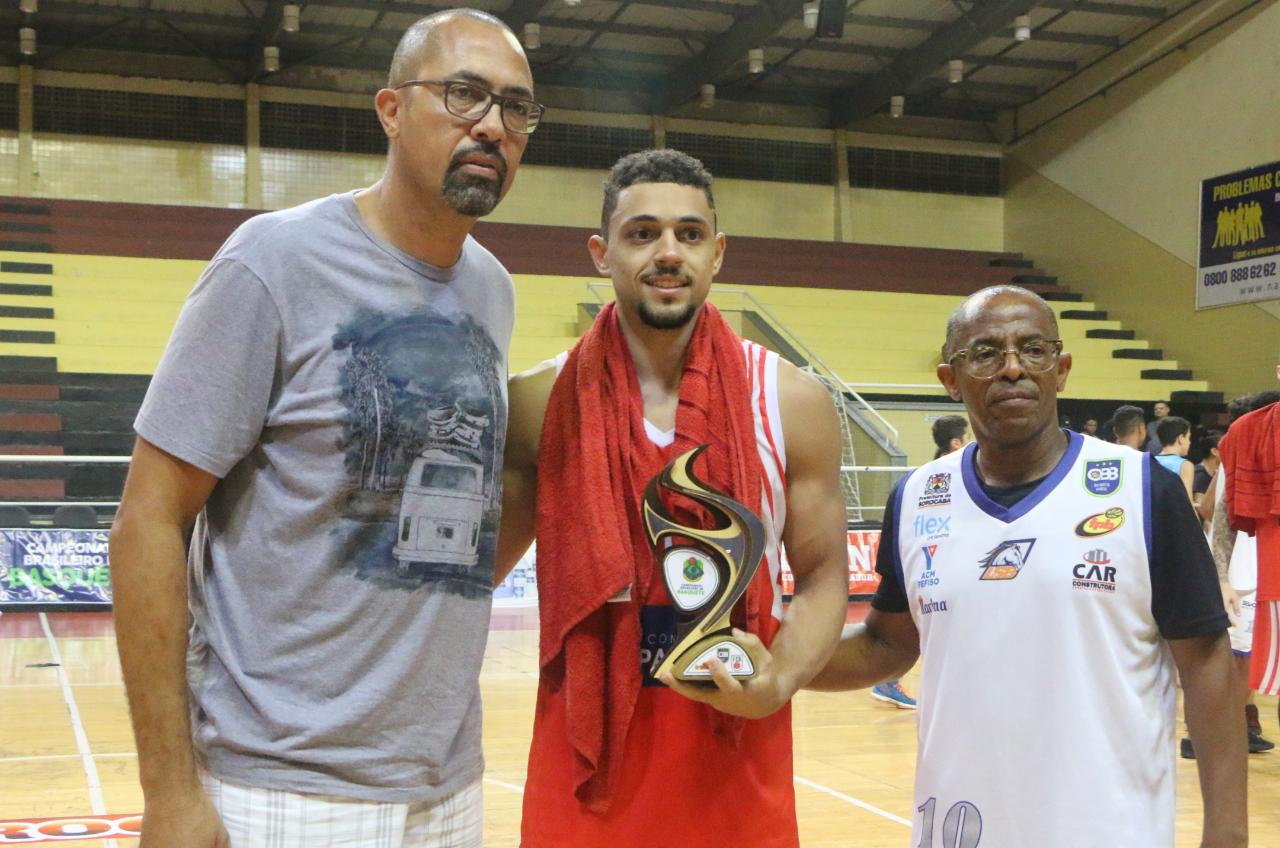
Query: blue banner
x,y
39,567
1239,237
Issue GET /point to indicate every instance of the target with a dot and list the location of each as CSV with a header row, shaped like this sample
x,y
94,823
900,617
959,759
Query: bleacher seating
x,y
89,293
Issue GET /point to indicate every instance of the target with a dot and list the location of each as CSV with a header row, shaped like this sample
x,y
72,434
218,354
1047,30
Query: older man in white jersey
x,y
1052,583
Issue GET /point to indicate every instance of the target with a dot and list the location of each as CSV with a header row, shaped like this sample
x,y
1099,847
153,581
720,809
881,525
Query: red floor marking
x,y
70,829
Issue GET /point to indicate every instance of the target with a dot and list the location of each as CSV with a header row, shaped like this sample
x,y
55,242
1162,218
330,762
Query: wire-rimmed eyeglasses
x,y
983,362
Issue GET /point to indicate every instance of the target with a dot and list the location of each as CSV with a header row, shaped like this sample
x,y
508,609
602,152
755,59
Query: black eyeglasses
x,y
983,362
470,102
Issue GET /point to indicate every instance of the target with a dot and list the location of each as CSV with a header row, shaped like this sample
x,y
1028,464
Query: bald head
x,y
980,301
421,41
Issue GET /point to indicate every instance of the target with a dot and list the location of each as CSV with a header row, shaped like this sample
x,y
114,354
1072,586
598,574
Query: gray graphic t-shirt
x,y
353,401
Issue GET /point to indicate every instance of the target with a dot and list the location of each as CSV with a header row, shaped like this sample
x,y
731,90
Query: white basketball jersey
x,y
1047,695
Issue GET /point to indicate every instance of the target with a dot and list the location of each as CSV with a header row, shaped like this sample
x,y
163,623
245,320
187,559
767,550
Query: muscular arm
x,y
817,550
527,394
162,496
1222,541
1212,705
883,647
816,531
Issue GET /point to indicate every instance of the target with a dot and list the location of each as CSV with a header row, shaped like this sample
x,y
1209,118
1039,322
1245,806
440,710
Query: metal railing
x,y
22,459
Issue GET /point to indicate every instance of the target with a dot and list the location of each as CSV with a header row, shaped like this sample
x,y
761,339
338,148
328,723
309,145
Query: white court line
x,y
43,757
96,802
871,808
803,781
510,787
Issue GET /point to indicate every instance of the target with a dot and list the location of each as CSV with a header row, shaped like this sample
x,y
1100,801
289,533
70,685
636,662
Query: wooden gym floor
x,y
66,748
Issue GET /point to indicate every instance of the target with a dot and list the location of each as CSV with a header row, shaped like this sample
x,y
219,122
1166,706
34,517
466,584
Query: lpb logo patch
x,y
1005,560
1100,524
1102,476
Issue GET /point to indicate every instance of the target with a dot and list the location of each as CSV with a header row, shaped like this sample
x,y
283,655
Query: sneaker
x,y
891,692
1257,744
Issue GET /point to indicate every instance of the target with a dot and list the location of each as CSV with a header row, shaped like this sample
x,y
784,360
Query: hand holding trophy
x,y
706,571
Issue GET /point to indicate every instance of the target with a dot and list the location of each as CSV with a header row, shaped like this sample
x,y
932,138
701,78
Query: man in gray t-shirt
x,y
330,415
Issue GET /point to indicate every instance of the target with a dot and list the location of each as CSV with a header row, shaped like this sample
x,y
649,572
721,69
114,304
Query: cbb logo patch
x,y
1102,476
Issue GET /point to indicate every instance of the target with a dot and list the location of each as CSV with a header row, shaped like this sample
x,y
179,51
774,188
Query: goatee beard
x,y
666,320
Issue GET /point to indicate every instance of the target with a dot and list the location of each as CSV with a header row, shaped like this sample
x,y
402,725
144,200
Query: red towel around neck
x,y
595,460
1251,460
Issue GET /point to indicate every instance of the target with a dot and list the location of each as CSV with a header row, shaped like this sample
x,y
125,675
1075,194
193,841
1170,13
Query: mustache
x,y
667,271
485,148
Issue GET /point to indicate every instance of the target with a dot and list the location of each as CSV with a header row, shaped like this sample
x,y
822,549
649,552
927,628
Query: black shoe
x,y
1188,750
1256,743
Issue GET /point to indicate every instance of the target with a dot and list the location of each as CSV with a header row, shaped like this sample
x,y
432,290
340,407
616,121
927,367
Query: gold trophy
x,y
706,571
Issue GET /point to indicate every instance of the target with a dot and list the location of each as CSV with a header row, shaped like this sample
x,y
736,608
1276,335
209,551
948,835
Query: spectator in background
x,y
1161,411
1107,431
1090,426
1175,441
950,433
1129,427
1207,466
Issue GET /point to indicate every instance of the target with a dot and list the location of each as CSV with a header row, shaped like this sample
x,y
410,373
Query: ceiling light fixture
x,y
28,6
755,60
811,15
955,70
897,103
1022,27
708,95
271,58
532,35
27,41
289,17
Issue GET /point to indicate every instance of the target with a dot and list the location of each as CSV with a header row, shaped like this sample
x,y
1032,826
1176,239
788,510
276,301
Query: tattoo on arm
x,y
1222,541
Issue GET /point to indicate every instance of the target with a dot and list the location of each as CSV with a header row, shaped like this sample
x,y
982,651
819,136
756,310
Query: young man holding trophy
x,y
654,465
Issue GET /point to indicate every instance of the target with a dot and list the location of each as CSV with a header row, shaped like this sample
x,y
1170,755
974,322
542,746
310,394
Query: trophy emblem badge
x,y
705,570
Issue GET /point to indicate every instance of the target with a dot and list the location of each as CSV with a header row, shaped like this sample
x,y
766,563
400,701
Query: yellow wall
x,y
132,170
1107,196
919,219
290,177
9,154
914,423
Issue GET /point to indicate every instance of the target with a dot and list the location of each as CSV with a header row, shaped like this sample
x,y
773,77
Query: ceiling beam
x,y
752,29
914,66
1128,10
577,25
267,32
882,52
1111,42
521,12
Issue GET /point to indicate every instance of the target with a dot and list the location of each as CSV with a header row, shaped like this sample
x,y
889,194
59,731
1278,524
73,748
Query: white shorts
x,y
274,818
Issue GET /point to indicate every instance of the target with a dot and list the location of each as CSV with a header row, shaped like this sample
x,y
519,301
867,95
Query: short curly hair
x,y
662,165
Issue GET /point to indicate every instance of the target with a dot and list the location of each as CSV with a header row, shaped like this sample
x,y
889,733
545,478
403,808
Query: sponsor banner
x,y
77,829
863,580
39,566
1239,238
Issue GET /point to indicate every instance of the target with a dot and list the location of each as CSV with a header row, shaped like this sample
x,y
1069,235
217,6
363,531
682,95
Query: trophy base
x,y
692,664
